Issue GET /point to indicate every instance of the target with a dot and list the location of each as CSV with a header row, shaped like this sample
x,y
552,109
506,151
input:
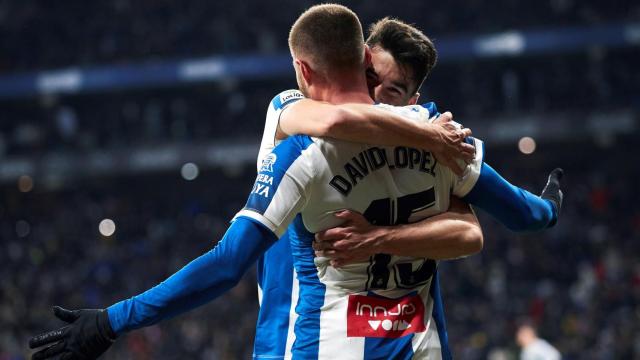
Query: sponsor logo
x,y
380,317
291,95
267,163
261,187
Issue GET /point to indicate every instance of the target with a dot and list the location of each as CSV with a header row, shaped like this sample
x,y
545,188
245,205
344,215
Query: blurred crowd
x,y
602,79
123,30
579,282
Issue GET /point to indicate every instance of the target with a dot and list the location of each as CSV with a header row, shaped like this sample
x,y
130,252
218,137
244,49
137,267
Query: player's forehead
x,y
389,71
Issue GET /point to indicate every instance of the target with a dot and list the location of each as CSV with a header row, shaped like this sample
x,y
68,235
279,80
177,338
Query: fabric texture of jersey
x,y
379,308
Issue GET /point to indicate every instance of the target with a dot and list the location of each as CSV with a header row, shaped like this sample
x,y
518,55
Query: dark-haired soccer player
x,y
402,57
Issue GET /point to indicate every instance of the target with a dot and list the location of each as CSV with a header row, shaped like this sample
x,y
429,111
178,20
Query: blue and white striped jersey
x,y
381,308
277,280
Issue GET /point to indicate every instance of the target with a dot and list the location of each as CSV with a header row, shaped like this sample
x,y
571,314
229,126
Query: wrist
x,y
383,238
433,140
104,324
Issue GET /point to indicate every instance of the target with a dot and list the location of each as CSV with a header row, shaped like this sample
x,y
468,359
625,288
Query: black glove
x,y
552,191
87,336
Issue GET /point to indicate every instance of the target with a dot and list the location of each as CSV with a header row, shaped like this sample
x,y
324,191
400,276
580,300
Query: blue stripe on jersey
x,y
438,316
382,348
274,167
275,278
387,348
311,298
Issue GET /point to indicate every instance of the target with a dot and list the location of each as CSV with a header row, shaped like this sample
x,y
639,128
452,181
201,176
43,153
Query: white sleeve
x,y
283,185
277,104
462,185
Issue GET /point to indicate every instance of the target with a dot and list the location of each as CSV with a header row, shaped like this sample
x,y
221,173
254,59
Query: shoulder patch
x,y
285,98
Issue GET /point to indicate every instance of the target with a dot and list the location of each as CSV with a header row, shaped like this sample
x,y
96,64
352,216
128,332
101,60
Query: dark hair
x,y
408,46
330,36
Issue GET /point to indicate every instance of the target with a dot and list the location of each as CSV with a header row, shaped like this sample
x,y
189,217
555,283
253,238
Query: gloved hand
x,y
88,335
552,191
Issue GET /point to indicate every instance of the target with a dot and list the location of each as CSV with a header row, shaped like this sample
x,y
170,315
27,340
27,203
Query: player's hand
x,y
354,241
450,146
87,335
552,191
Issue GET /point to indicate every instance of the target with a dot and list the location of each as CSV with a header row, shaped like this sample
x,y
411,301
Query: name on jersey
x,y
262,185
380,317
372,159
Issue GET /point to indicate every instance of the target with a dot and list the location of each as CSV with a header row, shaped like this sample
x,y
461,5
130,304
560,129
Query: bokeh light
x,y
107,227
189,171
527,145
25,183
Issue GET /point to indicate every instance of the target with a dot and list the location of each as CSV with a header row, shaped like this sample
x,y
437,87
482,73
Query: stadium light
x,y
189,171
107,227
527,145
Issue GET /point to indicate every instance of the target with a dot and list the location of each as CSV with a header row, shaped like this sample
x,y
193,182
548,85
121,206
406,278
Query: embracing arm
x,y
199,282
365,123
516,208
453,234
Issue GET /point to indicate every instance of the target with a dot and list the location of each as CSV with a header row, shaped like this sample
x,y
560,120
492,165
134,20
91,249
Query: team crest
x,y
267,163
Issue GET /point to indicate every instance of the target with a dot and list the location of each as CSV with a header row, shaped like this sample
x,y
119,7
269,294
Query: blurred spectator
x,y
533,347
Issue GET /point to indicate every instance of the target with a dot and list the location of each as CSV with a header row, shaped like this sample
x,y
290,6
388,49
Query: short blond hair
x,y
330,37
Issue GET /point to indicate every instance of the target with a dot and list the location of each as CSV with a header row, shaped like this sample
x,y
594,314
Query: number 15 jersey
x,y
379,308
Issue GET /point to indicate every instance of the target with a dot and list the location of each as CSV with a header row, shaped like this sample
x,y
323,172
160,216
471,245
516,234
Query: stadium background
x,y
103,103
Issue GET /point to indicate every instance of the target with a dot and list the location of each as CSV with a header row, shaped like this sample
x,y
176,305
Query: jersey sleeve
x,y
276,106
283,185
431,108
461,186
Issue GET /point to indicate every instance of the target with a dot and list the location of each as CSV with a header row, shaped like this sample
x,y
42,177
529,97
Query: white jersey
x,y
381,307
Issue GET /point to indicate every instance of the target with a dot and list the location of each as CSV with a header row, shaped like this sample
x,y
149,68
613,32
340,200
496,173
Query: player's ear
x,y
305,71
414,99
367,57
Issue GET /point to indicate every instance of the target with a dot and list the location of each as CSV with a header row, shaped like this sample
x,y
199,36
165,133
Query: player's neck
x,y
344,91
343,88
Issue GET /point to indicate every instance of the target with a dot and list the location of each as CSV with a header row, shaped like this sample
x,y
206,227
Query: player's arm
x,y
264,219
370,124
516,208
453,234
91,332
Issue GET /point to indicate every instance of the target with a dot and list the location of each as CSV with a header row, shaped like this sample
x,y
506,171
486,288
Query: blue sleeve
x,y
199,282
432,108
517,209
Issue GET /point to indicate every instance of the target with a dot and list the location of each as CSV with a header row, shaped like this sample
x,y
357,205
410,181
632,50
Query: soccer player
x,y
455,234
534,347
402,57
311,178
